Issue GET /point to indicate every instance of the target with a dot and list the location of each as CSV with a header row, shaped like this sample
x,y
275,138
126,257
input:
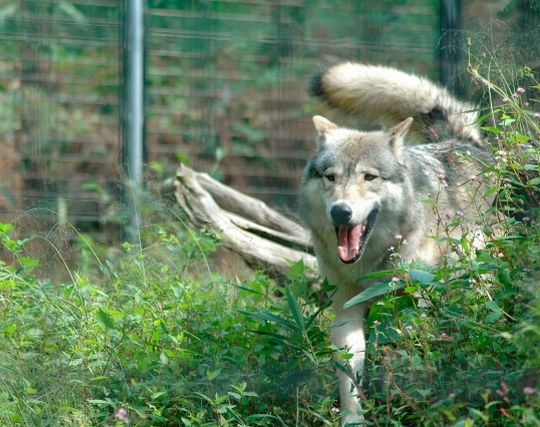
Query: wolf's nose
x,y
341,214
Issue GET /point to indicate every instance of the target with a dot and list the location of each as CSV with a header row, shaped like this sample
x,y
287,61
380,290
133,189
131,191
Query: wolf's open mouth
x,y
352,238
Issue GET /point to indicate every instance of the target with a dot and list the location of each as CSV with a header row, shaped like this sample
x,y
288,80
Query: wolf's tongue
x,y
348,241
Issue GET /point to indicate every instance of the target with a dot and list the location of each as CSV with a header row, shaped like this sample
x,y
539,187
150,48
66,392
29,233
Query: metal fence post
x,y
133,108
449,43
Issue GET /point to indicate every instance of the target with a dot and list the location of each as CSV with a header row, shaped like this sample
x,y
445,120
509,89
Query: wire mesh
x,y
59,130
225,90
227,79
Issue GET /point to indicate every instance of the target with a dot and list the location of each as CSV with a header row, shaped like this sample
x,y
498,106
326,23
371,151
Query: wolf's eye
x,y
330,177
370,177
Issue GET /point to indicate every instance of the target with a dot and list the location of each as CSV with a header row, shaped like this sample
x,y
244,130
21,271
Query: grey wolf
x,y
361,189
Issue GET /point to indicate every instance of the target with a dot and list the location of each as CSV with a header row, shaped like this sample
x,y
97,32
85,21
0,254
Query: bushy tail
x,y
389,96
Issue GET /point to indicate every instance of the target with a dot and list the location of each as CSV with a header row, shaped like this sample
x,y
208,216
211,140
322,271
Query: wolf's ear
x,y
322,126
397,136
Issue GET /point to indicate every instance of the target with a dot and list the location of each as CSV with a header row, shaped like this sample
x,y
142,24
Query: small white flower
x,y
520,90
528,391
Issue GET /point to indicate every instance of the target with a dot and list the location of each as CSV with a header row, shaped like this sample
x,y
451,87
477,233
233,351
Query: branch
x,y
259,234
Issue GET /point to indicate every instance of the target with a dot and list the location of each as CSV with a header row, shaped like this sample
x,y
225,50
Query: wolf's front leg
x,y
348,333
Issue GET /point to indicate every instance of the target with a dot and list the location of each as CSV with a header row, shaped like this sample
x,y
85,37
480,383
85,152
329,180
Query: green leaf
x,y
493,317
424,393
491,129
375,290
296,271
212,375
507,122
521,138
5,228
344,356
493,306
105,319
265,315
182,158
7,284
379,274
220,154
421,276
34,333
295,309
28,263
100,402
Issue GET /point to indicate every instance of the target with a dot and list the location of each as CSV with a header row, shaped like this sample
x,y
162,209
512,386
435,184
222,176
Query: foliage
x,y
150,345
154,336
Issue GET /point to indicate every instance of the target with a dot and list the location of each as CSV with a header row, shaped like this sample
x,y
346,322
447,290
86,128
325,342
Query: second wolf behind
x,y
364,194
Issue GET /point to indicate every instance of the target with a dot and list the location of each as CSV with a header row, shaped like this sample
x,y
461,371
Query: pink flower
x,y
442,179
121,414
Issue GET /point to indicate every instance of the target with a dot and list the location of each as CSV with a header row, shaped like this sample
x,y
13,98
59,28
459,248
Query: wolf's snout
x,y
341,214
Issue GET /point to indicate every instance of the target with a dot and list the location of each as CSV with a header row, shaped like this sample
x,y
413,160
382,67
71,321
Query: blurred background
x,y
224,85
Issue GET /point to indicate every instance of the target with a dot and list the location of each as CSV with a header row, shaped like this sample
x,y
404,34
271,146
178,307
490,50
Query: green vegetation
x,y
154,337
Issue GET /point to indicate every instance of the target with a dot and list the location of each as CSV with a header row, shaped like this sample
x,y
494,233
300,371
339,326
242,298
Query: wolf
x,y
363,195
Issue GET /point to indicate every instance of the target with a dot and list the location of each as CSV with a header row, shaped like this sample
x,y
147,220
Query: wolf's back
x,y
389,96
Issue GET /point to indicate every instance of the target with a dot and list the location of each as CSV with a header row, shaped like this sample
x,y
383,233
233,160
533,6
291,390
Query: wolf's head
x,y
353,188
